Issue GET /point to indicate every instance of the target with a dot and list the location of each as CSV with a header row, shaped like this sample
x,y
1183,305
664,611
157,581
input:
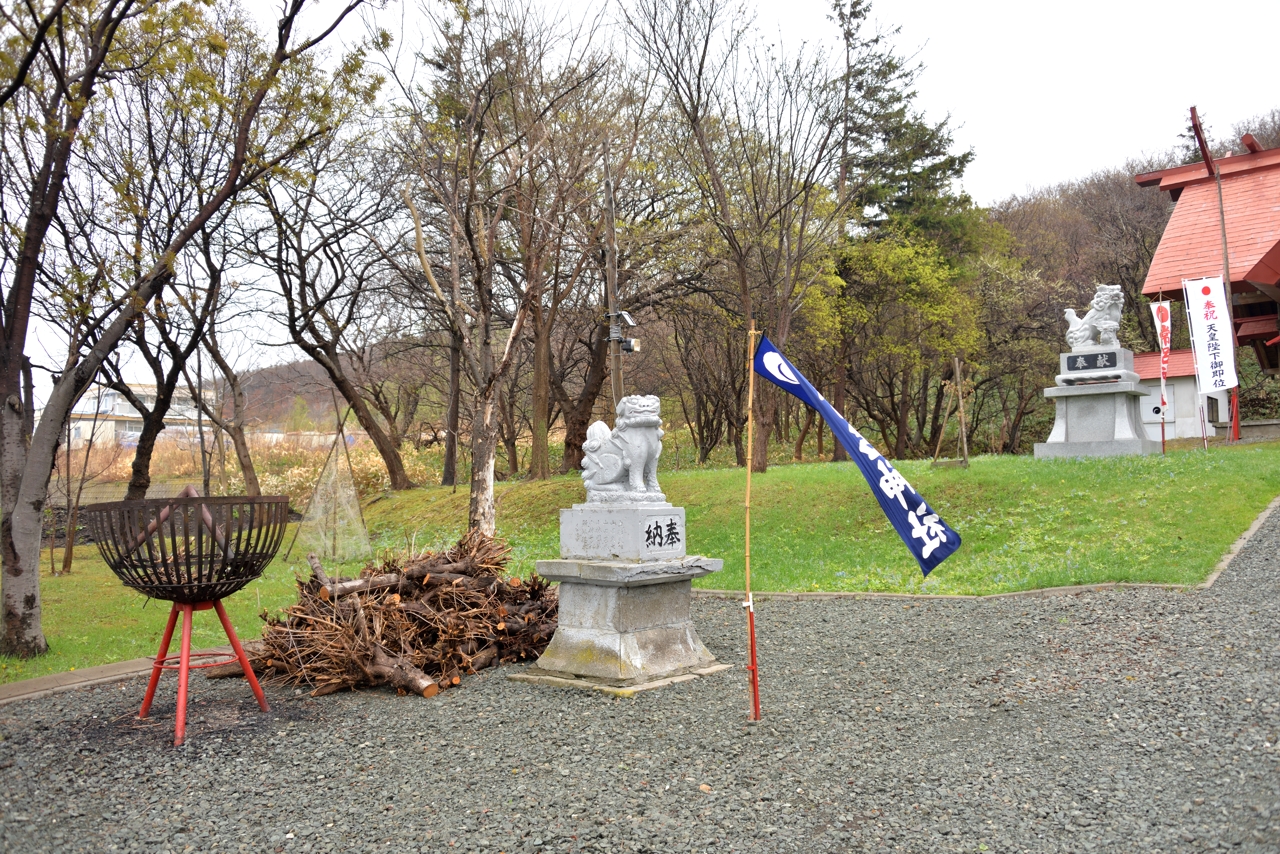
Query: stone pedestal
x,y
1097,407
624,595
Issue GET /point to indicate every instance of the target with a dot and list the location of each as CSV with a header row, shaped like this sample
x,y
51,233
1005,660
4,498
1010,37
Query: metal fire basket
x,y
193,552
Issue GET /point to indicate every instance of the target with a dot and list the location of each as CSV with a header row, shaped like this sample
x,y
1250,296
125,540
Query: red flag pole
x,y
1164,324
752,667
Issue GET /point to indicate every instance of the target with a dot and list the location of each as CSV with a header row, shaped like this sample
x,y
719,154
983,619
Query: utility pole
x,y
611,283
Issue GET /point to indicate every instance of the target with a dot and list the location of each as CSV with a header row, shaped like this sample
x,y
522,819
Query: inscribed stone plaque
x,y
1092,361
662,532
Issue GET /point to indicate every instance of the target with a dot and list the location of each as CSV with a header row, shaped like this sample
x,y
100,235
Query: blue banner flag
x,y
930,539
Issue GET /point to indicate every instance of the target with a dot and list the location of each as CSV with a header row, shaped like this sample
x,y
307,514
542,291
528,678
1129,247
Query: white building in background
x,y
1182,415
110,418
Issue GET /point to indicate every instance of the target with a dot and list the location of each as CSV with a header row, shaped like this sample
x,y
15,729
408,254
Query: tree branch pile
x,y
419,626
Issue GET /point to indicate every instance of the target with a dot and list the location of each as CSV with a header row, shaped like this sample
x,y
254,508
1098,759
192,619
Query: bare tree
x,y
704,340
328,272
1103,228
41,123
227,406
392,361
1265,128
1127,222
580,358
559,201
763,148
91,467
472,137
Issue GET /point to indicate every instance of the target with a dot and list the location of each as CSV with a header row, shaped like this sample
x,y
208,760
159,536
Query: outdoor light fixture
x,y
616,321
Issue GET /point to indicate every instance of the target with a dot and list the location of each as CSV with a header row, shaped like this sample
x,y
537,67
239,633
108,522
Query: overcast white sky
x,y
1045,92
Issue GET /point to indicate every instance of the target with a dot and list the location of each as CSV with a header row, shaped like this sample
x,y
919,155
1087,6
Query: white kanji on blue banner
x,y
930,539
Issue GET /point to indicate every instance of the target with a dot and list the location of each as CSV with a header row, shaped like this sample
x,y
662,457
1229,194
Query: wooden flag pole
x,y
1233,434
752,668
964,426
962,443
946,416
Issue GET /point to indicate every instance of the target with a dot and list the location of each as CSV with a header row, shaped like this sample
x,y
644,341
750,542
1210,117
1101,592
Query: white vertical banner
x,y
1211,338
1164,333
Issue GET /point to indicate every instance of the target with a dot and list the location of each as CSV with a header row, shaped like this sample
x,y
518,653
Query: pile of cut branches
x,y
419,625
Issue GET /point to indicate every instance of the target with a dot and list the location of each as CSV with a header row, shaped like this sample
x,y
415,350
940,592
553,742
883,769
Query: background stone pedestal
x,y
1096,406
624,597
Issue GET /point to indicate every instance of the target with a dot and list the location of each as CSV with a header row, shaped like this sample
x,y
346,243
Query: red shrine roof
x,y
1181,364
1192,243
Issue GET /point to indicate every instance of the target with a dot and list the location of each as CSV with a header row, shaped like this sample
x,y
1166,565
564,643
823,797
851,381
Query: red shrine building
x,y
1191,248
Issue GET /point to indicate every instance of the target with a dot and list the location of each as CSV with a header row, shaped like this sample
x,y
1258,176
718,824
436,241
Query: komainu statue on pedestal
x,y
621,465
1098,328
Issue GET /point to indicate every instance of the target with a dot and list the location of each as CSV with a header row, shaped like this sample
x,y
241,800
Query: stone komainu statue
x,y
1099,326
622,463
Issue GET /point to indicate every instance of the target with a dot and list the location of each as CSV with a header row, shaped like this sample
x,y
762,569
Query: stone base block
x,y
1112,448
625,658
622,625
1096,420
633,532
1096,365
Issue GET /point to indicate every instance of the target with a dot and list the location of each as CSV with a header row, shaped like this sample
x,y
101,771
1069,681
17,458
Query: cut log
x,y
484,658
425,573
402,674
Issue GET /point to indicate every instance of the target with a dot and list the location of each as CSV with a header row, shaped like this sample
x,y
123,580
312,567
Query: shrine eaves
x,y
1191,246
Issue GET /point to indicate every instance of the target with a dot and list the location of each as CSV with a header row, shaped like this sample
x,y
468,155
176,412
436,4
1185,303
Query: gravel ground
x,y
1132,720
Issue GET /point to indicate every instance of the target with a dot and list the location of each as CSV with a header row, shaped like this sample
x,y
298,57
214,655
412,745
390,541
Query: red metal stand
x,y
164,661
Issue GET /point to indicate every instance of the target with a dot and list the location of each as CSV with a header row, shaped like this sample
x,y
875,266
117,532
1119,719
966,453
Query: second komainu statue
x,y
1099,326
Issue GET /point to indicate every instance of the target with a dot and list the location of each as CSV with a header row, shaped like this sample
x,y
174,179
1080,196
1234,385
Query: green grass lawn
x,y
1025,524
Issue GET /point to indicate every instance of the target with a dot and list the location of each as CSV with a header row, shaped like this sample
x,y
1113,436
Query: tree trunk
x,y
822,424
20,527
938,416
838,453
540,454
765,403
804,433
386,448
508,434
904,414
69,534
449,477
577,412
152,425
233,426
481,514
384,444
245,458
